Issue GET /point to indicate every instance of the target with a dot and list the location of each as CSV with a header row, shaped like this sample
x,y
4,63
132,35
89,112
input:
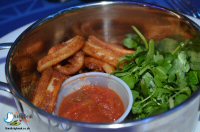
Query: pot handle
x,y
4,87
5,45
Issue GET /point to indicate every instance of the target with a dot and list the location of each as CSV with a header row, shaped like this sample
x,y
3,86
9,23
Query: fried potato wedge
x,y
100,50
71,47
98,65
76,62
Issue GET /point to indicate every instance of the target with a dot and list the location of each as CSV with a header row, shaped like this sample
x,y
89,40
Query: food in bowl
x,y
154,22
70,58
93,104
161,74
159,80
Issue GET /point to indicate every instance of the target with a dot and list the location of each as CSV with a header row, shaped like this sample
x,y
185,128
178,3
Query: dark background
x,y
16,13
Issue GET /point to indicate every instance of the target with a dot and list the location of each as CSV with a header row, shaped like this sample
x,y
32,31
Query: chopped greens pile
x,y
161,74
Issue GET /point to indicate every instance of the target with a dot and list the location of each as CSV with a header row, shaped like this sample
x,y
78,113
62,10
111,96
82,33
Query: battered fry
x,y
40,90
47,90
53,91
71,47
75,64
98,65
102,51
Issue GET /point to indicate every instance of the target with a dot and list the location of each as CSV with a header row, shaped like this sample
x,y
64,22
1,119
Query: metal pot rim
x,y
63,120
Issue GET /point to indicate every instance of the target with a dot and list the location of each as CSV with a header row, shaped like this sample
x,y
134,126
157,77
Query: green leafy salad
x,y
161,74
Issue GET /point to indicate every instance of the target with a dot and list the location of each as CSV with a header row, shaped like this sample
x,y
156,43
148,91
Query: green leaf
x,y
180,99
131,42
167,45
130,80
193,78
141,36
146,83
137,108
159,109
160,77
135,94
158,58
160,72
195,66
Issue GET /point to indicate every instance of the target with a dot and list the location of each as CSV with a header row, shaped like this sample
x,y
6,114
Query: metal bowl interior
x,y
109,21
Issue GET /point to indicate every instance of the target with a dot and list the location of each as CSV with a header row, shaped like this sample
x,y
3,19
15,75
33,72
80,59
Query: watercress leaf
x,y
171,103
159,109
146,83
160,72
158,58
140,60
192,78
137,108
130,43
150,52
144,88
166,66
186,90
141,36
157,81
130,80
135,94
194,56
195,66
167,45
169,57
182,61
194,88
180,98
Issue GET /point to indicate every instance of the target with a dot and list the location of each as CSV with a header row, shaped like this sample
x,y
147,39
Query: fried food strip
x,y
98,65
40,90
55,48
103,52
71,47
28,82
75,64
53,91
47,90
114,48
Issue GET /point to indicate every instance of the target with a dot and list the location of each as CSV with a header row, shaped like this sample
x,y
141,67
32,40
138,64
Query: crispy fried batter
x,y
100,50
55,48
114,48
28,84
52,91
47,90
75,64
98,65
72,46
40,90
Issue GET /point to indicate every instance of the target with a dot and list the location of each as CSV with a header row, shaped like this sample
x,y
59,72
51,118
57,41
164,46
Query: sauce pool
x,y
93,104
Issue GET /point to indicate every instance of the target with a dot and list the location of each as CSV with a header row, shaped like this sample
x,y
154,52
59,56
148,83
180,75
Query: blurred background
x,y
16,13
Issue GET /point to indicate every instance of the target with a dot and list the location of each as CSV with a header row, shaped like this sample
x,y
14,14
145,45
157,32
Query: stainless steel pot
x,y
109,21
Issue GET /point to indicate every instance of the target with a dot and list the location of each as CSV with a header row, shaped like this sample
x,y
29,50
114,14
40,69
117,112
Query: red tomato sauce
x,y
92,104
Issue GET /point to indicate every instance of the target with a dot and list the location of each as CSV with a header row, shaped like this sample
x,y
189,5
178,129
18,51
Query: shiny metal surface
x,y
109,21
5,45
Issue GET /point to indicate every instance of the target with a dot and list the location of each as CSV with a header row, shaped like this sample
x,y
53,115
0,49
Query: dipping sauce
x,y
92,104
